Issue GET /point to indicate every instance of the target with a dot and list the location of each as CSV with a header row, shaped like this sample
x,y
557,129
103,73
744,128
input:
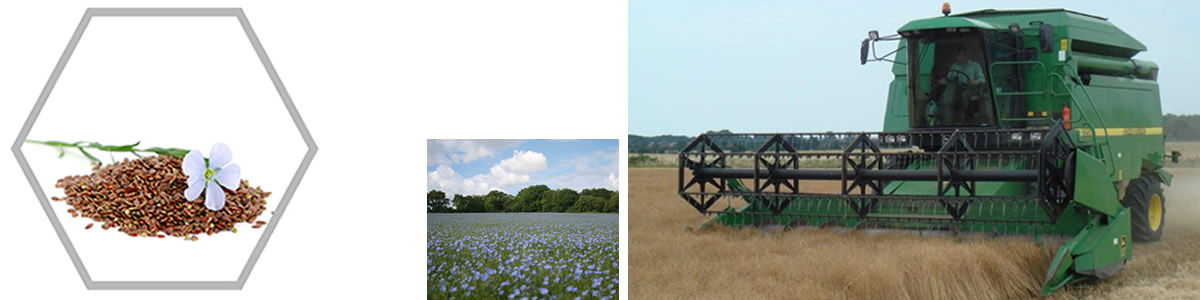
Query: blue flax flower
x,y
209,175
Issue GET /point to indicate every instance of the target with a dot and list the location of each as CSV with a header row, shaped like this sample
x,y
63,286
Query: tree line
x,y
1178,128
1182,128
675,143
537,198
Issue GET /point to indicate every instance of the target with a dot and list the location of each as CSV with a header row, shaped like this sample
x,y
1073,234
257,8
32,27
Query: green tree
x,y
477,203
464,204
436,202
558,200
527,199
460,203
588,203
603,194
496,201
1181,128
613,204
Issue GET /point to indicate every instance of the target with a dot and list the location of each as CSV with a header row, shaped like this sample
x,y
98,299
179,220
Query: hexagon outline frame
x,y
287,195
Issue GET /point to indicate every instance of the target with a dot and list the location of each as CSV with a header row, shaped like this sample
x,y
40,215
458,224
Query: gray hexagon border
x,y
287,195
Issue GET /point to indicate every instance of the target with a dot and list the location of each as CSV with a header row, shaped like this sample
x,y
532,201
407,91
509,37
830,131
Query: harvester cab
x,y
998,122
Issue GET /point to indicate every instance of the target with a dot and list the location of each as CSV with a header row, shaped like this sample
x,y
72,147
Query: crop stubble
x,y
667,262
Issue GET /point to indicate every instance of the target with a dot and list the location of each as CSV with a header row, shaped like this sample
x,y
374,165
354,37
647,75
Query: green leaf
x,y
121,148
89,155
52,143
167,151
109,148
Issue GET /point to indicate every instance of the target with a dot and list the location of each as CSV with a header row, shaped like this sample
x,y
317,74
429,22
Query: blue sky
x,y
473,167
792,66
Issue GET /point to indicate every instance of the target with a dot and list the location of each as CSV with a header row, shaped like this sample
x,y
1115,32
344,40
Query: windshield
x,y
952,88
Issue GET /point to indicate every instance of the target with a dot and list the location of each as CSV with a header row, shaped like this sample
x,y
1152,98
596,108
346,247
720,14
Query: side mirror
x,y
1046,37
862,53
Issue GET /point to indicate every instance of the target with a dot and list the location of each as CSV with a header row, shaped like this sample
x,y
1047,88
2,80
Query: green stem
x,y
81,145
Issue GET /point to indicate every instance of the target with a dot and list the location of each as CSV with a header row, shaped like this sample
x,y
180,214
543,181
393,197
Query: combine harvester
x,y
998,122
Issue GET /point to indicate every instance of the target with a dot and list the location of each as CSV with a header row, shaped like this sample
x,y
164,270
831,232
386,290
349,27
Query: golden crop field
x,y
669,262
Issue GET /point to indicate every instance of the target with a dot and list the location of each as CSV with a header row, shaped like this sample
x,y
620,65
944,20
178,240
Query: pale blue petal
x,y
214,197
193,164
195,187
220,156
230,176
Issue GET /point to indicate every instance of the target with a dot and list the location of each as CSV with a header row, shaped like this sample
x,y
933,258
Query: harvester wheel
x,y
1144,197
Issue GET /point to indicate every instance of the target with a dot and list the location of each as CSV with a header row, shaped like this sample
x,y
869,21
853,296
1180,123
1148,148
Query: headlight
x,y
1016,136
902,139
1035,136
891,139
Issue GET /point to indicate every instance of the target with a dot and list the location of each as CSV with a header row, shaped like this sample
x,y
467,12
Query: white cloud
x,y
502,177
611,182
441,152
515,170
524,162
446,180
509,172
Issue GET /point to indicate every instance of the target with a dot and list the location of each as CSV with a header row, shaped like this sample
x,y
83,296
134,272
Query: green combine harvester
x,y
999,122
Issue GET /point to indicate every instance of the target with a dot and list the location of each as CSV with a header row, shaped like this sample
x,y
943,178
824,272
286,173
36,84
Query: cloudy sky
x,y
792,66
473,167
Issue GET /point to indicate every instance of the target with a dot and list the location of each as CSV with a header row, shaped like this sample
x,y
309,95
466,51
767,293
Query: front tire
x,y
1144,197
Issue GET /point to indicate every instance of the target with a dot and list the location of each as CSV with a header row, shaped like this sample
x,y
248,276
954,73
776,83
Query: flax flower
x,y
208,175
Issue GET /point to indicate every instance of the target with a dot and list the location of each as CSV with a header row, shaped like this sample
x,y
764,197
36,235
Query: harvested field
x,y
668,262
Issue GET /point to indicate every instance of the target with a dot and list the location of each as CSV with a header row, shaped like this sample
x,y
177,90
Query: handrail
x,y
1075,101
1049,89
1037,65
1082,119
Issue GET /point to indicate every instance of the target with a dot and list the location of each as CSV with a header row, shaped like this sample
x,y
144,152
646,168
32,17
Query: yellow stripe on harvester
x,y
1122,131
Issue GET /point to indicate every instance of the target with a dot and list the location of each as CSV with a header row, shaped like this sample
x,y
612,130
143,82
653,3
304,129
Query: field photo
x,y
963,150
540,224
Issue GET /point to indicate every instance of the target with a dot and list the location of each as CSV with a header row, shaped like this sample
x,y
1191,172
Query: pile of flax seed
x,y
144,197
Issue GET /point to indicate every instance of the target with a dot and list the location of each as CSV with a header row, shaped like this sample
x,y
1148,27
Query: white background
x,y
372,82
193,82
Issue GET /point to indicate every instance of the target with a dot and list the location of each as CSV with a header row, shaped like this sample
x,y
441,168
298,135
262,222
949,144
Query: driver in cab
x,y
964,70
959,105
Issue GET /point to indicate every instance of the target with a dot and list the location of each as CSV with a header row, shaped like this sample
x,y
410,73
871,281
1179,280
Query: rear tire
x,y
1147,204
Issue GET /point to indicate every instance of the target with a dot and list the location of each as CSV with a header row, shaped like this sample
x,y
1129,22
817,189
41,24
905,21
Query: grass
x,y
653,160
751,264
534,255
